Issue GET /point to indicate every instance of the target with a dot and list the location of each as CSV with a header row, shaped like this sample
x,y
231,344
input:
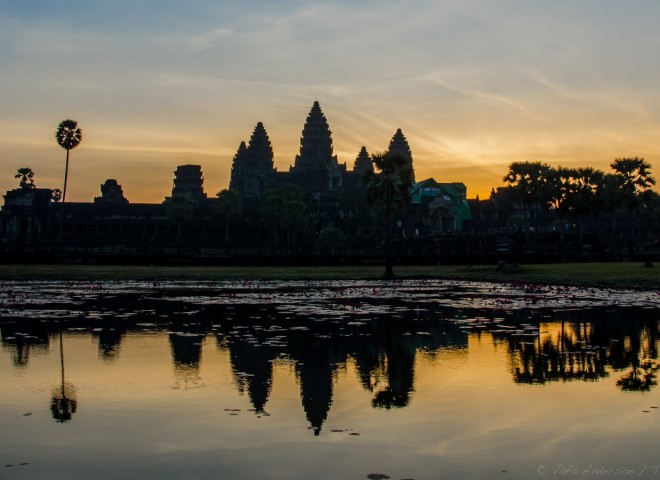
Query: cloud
x,y
472,83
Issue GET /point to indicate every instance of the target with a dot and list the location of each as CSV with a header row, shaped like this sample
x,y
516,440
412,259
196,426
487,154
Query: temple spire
x,y
238,168
363,163
316,169
399,145
316,142
260,151
252,169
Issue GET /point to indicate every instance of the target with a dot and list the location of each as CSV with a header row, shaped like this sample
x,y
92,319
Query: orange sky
x,y
473,85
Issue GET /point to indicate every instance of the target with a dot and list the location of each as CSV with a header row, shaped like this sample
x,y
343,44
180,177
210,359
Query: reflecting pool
x,y
413,379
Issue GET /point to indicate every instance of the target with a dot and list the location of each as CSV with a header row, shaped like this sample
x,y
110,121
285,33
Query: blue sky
x,y
474,84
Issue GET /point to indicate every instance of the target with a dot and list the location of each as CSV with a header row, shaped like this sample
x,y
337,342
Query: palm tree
x,y
27,178
635,176
634,179
388,191
529,184
68,137
228,204
561,195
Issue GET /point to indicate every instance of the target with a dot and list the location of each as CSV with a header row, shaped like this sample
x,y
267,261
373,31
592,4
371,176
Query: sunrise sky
x,y
473,84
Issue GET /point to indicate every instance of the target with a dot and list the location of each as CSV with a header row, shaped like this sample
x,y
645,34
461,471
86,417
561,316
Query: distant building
x,y
316,169
440,207
334,196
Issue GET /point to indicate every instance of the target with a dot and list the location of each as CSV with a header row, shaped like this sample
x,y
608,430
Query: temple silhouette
x,y
334,213
314,212
316,169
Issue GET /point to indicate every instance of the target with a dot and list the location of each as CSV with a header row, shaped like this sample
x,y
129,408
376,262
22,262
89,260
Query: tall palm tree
x,y
634,179
388,191
68,136
529,184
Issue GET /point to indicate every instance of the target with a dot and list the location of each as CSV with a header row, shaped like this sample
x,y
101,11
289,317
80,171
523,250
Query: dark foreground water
x,y
327,380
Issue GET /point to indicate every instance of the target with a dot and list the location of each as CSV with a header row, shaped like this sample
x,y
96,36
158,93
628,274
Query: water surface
x,y
409,379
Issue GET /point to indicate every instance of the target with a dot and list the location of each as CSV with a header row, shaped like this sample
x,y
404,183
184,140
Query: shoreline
x,y
629,275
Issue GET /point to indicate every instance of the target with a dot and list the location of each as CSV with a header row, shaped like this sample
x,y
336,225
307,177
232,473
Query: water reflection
x,y
63,403
382,337
109,338
23,338
581,345
186,356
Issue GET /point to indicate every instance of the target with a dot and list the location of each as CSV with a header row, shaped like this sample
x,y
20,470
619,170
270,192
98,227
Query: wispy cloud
x,y
473,83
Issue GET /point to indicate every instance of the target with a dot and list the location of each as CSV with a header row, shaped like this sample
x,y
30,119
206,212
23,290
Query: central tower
x,y
316,168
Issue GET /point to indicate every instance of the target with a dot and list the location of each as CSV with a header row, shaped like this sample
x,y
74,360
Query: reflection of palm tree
x,y
639,379
400,375
642,375
63,403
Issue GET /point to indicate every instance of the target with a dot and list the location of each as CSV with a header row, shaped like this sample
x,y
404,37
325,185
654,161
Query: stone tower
x,y
252,170
238,168
363,163
399,145
316,168
111,194
189,182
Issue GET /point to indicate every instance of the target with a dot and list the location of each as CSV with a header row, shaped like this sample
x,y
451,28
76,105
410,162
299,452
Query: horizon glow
x,y
474,86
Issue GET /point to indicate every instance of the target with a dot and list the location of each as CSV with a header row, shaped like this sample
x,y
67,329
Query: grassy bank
x,y
597,274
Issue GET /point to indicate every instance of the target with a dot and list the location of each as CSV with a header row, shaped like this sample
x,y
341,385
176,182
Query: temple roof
x,y
399,145
316,141
363,162
260,151
238,166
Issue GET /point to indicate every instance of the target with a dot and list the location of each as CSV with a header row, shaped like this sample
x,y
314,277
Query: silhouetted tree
x,y
228,204
27,178
561,197
68,136
529,185
388,192
633,179
56,195
574,193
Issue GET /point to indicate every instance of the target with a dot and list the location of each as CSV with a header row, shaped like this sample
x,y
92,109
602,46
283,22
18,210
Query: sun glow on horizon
x,y
473,85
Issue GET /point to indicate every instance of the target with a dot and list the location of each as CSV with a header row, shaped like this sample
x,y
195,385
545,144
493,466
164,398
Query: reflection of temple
x,y
253,371
109,341
186,349
584,345
22,339
186,355
385,360
315,368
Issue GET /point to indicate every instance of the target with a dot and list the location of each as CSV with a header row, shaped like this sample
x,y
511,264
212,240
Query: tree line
x,y
583,192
